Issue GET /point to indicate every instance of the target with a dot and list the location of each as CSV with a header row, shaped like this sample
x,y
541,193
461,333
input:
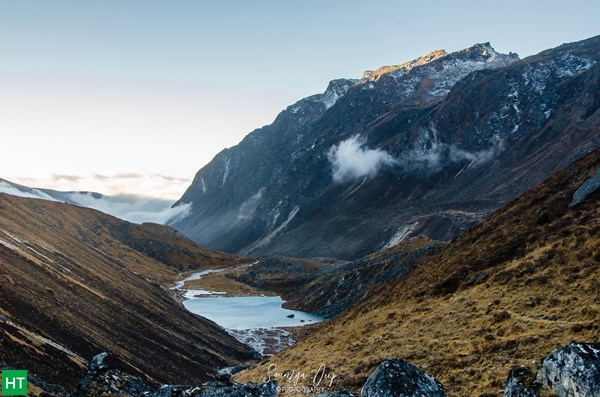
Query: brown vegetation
x,y
506,293
75,282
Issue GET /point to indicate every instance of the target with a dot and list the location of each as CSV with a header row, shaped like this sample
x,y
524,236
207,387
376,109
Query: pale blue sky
x,y
151,87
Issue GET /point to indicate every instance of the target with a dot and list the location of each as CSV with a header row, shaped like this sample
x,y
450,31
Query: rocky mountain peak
x,y
374,75
482,53
336,89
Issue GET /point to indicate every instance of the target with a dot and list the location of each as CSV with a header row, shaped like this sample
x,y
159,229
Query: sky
x,y
135,96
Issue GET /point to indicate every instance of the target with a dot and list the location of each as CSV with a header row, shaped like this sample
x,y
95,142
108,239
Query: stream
x,y
253,320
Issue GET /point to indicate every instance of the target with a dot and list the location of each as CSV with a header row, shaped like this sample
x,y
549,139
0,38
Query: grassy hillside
x,y
506,293
75,282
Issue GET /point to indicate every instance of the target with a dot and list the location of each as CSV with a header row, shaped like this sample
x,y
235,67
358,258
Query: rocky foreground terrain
x,y
570,371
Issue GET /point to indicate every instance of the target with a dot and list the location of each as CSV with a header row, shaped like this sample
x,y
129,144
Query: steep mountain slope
x,y
424,148
75,282
506,293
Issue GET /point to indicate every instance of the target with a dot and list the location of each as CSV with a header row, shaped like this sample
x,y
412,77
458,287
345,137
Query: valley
x,y
439,217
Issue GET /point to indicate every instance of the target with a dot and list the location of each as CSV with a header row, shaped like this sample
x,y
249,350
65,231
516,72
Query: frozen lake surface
x,y
253,320
246,312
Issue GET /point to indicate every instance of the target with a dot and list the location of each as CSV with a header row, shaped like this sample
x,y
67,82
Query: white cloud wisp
x,y
351,160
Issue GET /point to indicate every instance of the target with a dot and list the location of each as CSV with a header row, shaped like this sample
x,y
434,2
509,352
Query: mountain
x,y
426,148
127,207
75,282
506,293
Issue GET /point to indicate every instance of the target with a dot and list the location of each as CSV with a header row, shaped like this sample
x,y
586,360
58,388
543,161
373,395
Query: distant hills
x,y
127,207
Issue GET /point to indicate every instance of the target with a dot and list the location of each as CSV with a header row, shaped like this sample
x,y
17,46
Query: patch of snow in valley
x,y
401,235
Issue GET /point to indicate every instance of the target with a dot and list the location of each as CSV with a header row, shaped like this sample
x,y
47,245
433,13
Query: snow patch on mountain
x,y
226,171
274,233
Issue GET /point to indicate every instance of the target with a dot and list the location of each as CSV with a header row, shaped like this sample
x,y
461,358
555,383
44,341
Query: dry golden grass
x,y
93,283
507,293
221,283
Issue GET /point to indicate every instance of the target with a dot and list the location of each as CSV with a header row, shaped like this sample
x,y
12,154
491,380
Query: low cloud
x,y
132,208
350,160
129,207
439,155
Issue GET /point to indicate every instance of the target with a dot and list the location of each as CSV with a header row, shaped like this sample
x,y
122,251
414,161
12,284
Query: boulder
x,y
97,362
398,378
515,385
573,371
588,187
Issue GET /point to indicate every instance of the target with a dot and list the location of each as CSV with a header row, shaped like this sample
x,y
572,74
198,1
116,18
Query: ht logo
x,y
14,383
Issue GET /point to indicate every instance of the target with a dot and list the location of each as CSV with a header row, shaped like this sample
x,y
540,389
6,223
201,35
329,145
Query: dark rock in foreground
x,y
398,378
102,381
516,384
572,371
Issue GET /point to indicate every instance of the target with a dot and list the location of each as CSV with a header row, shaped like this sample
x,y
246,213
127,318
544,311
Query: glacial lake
x,y
249,312
253,320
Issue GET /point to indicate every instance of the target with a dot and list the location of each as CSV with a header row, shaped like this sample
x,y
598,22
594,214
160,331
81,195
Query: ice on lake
x,y
248,312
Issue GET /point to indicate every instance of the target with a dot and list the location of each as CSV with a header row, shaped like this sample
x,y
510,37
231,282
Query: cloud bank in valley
x,y
136,209
350,160
132,208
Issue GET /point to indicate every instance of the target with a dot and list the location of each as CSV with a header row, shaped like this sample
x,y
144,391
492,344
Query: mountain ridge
x,y
443,126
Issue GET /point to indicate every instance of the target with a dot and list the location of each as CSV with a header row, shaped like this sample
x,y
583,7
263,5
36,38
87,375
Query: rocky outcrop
x,y
342,286
573,371
429,147
102,381
398,378
515,385
218,389
590,186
